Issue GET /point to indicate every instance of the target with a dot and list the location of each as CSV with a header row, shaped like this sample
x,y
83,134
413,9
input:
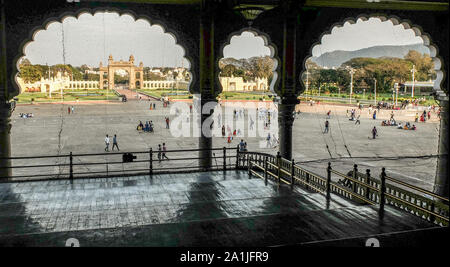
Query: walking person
x,y
268,140
357,120
107,143
68,110
374,132
72,109
374,114
159,152
328,114
167,123
417,117
115,143
164,148
326,126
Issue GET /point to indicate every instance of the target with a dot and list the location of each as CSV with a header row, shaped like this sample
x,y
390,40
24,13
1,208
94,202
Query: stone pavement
x,y
197,209
52,131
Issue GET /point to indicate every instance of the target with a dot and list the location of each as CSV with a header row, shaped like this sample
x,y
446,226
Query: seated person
x,y
413,127
399,126
147,127
150,128
140,126
383,123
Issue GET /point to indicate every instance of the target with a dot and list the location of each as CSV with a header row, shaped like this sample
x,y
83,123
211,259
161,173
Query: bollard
x,y
328,180
355,177
292,174
382,193
368,183
224,158
71,167
151,162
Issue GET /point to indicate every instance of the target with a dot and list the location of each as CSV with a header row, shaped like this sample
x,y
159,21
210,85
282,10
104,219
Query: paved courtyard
x,y
52,130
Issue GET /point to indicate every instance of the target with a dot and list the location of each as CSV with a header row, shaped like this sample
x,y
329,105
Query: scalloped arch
x,y
434,51
272,47
76,14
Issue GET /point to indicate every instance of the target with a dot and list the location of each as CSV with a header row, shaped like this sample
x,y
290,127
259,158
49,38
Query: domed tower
x,y
131,60
110,59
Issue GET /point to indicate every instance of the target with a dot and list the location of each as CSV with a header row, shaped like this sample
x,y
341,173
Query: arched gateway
x,y
126,65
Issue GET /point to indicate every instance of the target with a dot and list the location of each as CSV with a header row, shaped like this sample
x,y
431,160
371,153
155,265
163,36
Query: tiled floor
x,y
195,209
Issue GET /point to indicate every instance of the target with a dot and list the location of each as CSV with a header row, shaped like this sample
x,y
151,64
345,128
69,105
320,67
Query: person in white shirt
x,y
107,143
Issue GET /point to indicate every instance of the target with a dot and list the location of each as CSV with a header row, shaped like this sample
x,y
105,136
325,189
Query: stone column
x,y
441,181
5,139
141,79
207,76
132,75
285,122
110,78
5,107
288,91
100,86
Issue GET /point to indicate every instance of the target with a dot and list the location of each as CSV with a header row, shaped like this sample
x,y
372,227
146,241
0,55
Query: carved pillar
x,y
288,91
5,139
5,107
141,79
100,85
207,76
441,181
110,78
132,74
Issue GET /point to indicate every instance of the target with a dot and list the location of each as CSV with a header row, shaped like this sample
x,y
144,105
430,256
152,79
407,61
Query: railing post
x,y
71,167
224,158
292,174
382,193
307,181
151,162
279,167
265,169
237,157
355,177
432,217
328,180
249,168
368,183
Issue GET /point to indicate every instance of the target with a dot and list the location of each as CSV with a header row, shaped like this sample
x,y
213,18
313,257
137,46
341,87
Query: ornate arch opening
x,y
438,68
186,60
261,81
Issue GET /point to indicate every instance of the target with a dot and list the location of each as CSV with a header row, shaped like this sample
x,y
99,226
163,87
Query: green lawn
x,y
183,94
81,95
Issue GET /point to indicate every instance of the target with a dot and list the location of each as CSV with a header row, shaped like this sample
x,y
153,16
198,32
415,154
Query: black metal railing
x,y
70,166
357,186
354,186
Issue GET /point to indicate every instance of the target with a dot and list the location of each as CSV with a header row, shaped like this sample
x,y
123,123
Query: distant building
x,y
236,84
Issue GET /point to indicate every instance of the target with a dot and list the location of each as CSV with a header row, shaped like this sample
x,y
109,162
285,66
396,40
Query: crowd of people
x,y
147,127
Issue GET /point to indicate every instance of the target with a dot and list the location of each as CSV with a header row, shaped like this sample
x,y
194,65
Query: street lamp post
x,y
413,71
396,93
352,71
375,90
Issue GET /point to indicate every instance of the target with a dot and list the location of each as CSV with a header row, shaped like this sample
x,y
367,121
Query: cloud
x,y
92,38
363,34
246,45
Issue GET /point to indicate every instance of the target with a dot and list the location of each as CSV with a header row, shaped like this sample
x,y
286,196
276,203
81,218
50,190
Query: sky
x,y
92,38
246,45
363,34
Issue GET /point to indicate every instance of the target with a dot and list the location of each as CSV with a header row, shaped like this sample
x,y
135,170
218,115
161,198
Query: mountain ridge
x,y
337,57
